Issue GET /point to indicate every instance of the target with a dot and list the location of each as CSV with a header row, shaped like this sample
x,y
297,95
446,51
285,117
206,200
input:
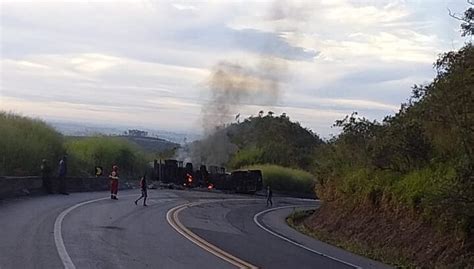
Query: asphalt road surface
x,y
179,229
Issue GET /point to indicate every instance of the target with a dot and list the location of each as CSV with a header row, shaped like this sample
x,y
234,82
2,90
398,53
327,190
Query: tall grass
x,y
286,179
420,186
24,142
87,153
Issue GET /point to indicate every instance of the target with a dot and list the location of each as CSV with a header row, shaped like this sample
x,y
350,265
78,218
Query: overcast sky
x,y
149,63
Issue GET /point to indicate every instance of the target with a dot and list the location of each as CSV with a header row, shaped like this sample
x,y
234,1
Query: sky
x,y
151,64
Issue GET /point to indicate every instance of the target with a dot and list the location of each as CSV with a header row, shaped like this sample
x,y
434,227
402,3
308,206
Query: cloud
x,y
343,104
184,7
146,62
223,39
85,79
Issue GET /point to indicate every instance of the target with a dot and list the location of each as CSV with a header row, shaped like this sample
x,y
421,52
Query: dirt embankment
x,y
395,238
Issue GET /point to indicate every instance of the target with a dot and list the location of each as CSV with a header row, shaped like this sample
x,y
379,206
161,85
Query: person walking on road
x,y
144,188
114,178
46,176
62,172
269,196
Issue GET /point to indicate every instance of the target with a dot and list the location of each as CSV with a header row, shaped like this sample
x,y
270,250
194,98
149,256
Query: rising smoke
x,y
233,85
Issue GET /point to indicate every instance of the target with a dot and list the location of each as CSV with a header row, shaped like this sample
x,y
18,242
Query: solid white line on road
x,y
173,220
255,219
58,237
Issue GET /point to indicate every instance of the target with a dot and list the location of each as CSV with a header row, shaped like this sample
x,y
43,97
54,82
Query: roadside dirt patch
x,y
401,240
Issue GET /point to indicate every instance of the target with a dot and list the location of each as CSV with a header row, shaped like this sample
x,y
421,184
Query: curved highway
x,y
179,229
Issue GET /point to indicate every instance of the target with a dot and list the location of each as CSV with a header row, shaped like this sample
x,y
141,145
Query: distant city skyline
x,y
149,63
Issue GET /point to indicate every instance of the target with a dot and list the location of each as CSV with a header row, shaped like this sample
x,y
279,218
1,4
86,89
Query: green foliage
x,y
420,188
285,179
278,143
421,158
247,156
274,140
86,153
24,142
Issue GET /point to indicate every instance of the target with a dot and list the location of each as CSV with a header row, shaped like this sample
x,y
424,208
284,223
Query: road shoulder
x,y
275,221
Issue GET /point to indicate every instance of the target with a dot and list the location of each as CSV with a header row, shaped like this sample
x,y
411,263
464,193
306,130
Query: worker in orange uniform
x,y
114,178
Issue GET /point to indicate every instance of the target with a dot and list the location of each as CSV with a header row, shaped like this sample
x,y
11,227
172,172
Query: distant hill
x,y
147,144
258,140
88,129
152,144
275,140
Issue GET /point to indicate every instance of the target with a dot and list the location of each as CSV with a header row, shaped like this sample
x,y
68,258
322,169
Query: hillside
x,y
403,190
24,143
283,150
152,144
91,129
145,144
257,140
273,140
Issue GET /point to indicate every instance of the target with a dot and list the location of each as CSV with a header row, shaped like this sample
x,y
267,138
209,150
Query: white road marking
x,y
172,218
58,237
255,219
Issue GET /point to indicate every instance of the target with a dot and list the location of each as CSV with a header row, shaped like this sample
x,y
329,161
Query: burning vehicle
x,y
173,172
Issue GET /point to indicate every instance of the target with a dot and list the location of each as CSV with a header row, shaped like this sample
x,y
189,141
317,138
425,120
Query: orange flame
x,y
189,178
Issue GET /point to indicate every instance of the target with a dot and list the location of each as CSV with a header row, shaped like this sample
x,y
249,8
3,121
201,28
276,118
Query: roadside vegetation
x,y
400,190
406,183
387,255
24,142
87,153
282,149
286,180
272,140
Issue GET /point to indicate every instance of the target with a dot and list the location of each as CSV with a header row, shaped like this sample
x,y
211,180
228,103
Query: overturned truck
x,y
175,172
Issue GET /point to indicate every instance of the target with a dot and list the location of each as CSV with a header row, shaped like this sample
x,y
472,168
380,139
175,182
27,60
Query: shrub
x,y
24,143
422,187
86,153
248,156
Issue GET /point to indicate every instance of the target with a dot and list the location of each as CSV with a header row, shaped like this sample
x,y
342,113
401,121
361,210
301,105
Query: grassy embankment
x,y
25,142
402,191
86,153
286,180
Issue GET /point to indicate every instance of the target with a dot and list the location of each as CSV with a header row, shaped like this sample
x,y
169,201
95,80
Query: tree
x,y
138,133
447,104
467,25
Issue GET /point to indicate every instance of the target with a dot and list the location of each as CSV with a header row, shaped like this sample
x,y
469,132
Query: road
x,y
179,229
